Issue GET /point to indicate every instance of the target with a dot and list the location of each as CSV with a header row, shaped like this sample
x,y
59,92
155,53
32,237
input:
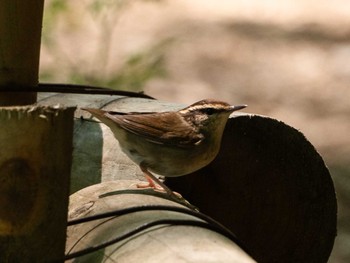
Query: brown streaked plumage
x,y
170,143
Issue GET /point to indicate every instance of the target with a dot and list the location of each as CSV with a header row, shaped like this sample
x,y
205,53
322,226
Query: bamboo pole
x,y
20,32
34,174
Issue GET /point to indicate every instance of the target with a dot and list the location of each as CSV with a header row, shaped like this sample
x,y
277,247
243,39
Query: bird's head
x,y
209,116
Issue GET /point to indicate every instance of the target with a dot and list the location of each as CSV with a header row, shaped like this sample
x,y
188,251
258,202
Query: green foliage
x,y
52,10
141,67
134,71
96,7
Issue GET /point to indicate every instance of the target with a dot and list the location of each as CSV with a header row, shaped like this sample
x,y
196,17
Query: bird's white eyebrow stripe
x,y
201,107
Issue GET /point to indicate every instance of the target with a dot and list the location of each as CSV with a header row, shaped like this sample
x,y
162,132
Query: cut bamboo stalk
x,y
34,174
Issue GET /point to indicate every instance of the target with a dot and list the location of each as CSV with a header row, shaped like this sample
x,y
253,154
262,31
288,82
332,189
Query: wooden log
x,y
35,162
20,31
168,242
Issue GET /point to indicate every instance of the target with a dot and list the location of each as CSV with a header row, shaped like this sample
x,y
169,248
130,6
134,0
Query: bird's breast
x,y
167,160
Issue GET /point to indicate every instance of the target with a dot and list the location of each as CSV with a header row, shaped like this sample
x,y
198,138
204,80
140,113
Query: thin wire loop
x,y
204,222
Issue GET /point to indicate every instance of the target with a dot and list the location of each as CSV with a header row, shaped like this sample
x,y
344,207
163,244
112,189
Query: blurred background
x,y
286,59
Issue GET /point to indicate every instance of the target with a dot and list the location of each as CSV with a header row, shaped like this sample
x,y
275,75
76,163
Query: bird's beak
x,y
238,107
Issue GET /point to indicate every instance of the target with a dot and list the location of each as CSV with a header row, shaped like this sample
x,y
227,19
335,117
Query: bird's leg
x,y
150,183
151,179
173,195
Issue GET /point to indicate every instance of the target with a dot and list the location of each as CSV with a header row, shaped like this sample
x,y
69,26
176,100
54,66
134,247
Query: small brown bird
x,y
172,143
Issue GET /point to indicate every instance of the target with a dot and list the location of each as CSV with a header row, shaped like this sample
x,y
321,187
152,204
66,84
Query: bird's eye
x,y
209,111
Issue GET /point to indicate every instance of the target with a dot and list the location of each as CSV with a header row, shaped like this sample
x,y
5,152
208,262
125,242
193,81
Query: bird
x,y
171,143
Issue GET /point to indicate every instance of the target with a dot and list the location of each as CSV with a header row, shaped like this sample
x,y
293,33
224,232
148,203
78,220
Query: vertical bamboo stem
x,y
20,32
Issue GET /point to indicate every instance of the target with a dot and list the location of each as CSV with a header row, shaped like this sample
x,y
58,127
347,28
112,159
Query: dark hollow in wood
x,y
271,188
35,165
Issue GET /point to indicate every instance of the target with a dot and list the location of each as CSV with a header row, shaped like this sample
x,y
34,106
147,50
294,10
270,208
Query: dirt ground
x,y
288,60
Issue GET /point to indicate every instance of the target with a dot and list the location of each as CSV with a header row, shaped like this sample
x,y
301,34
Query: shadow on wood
x,y
271,188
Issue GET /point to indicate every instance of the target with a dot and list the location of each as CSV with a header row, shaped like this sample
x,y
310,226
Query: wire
x,y
172,222
87,233
208,223
72,88
151,192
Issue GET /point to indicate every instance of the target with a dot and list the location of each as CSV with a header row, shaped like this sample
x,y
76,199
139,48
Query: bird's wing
x,y
158,128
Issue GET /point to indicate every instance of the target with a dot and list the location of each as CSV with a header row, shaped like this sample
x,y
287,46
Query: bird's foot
x,y
156,187
150,184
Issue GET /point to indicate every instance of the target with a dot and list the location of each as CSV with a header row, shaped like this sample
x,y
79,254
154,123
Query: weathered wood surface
x,y
35,162
268,184
162,243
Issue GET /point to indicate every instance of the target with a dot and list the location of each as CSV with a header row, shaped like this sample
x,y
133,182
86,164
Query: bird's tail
x,y
97,113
